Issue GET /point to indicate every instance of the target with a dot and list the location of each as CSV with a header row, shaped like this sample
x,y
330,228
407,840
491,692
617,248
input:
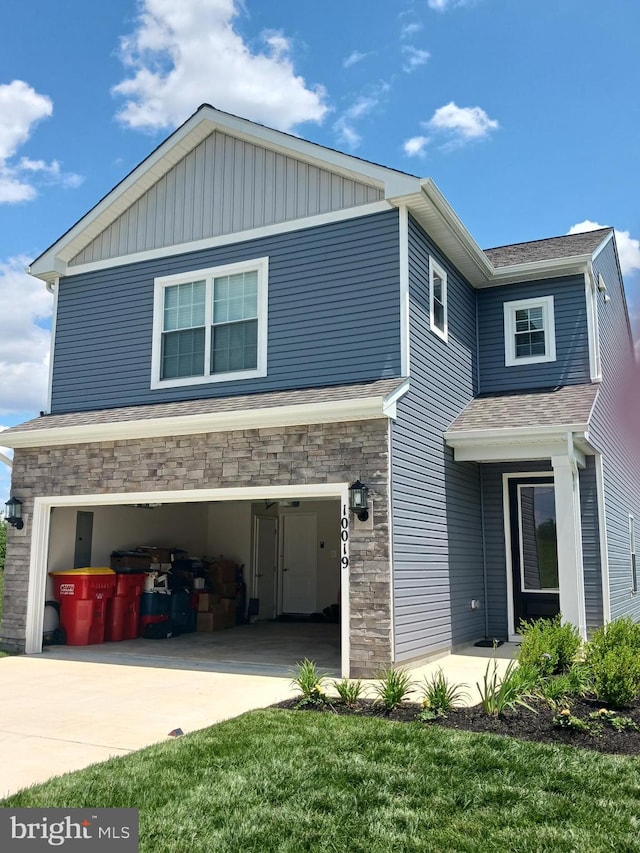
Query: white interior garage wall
x,y
124,527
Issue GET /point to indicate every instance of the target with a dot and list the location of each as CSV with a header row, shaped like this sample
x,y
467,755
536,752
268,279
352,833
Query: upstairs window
x,y
438,299
632,549
529,331
211,325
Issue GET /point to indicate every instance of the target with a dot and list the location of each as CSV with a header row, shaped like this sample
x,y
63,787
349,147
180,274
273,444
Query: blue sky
x,y
526,115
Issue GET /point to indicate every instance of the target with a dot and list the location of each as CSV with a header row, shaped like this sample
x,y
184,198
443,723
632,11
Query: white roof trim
x,y
4,458
202,123
457,437
602,245
518,443
332,411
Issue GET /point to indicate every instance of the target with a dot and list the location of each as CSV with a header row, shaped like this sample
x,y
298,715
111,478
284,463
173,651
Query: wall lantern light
x,y
13,513
358,497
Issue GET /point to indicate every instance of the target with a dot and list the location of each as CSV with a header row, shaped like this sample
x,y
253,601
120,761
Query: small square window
x,y
529,331
438,299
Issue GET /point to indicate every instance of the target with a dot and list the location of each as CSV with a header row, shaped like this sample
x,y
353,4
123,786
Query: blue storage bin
x,y
155,604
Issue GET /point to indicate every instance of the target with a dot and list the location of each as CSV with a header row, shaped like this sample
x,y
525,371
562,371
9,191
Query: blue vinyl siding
x,y
572,343
437,537
616,436
591,562
334,317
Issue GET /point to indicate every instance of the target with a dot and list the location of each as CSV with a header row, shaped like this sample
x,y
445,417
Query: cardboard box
x,y
224,571
227,590
213,621
207,601
229,607
141,562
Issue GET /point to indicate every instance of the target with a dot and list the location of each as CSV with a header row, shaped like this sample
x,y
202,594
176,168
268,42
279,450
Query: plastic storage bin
x,y
83,595
154,608
123,610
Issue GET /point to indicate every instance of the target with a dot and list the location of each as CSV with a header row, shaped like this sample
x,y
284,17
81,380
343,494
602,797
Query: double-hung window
x,y
438,299
632,549
529,331
211,325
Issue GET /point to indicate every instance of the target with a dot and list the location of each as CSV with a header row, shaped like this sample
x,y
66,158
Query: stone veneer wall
x,y
316,453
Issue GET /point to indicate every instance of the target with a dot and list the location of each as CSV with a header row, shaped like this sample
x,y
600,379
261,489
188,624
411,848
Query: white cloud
x,y
353,58
415,147
186,53
21,108
628,247
443,5
414,57
409,30
462,124
344,127
25,310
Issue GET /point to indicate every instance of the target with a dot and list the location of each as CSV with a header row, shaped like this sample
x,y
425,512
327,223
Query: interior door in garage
x,y
299,562
266,556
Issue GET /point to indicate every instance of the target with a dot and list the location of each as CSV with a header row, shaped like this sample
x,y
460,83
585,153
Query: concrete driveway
x,y
57,716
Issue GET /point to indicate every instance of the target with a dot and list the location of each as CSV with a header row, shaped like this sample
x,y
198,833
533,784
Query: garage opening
x,y
261,580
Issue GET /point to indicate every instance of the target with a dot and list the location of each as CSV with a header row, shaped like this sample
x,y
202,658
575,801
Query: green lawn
x,y
291,781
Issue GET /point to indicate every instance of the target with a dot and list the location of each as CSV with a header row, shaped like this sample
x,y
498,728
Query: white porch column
x,y
569,535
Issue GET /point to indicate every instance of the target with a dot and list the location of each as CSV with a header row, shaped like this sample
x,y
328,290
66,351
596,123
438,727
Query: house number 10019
x,y
344,538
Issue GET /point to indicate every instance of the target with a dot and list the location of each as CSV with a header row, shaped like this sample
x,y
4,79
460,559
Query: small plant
x,y
394,686
566,720
619,723
427,715
556,691
309,680
548,645
613,659
498,695
439,695
349,691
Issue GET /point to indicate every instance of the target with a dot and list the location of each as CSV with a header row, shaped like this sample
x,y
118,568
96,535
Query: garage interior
x,y
289,551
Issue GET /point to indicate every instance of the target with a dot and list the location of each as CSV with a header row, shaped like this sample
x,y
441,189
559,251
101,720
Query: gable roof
x,y
552,248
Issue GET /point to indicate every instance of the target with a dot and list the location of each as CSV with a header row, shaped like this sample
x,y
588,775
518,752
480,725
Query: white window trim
x,y
510,308
434,267
261,265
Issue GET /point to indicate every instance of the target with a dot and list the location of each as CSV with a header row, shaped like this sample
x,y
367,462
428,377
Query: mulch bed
x,y
520,723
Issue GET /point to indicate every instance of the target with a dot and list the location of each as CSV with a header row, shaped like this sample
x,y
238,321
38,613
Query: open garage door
x,y
286,588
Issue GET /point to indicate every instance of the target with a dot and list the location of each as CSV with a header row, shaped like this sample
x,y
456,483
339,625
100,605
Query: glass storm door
x,y
534,549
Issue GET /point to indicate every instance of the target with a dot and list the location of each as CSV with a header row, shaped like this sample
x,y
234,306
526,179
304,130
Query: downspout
x,y
52,287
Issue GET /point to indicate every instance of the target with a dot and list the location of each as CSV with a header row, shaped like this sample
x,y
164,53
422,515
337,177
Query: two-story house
x,y
249,322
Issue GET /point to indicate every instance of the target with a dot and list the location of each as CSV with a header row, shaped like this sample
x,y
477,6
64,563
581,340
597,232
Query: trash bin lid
x,y
90,570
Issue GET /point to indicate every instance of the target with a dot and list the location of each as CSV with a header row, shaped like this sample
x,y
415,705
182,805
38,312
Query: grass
x,y
279,781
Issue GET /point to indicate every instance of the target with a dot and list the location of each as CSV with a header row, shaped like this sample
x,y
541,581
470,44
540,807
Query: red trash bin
x,y
124,608
83,596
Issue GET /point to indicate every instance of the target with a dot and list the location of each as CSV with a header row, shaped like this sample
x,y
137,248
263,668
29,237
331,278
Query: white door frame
x,y
41,523
506,512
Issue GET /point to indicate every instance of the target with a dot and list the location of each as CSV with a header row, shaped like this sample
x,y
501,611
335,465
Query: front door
x,y
299,562
534,550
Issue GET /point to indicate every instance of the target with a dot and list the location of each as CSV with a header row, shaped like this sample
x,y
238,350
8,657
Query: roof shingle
x,y
553,248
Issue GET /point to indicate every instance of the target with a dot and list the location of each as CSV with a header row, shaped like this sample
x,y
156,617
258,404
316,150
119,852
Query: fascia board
x,y
553,268
602,245
458,438
4,458
389,404
366,408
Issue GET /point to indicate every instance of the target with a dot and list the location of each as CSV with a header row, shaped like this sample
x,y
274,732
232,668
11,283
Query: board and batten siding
x,y
223,186
437,537
495,546
572,343
615,436
334,317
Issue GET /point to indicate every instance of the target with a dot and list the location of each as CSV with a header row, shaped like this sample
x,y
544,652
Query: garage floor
x,y
264,648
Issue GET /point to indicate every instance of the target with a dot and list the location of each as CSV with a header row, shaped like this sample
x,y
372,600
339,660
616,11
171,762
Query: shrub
x,y
309,681
439,695
616,676
558,690
394,686
499,695
612,657
349,691
548,645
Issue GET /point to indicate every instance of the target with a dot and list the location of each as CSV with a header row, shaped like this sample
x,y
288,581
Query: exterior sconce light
x,y
13,513
358,497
